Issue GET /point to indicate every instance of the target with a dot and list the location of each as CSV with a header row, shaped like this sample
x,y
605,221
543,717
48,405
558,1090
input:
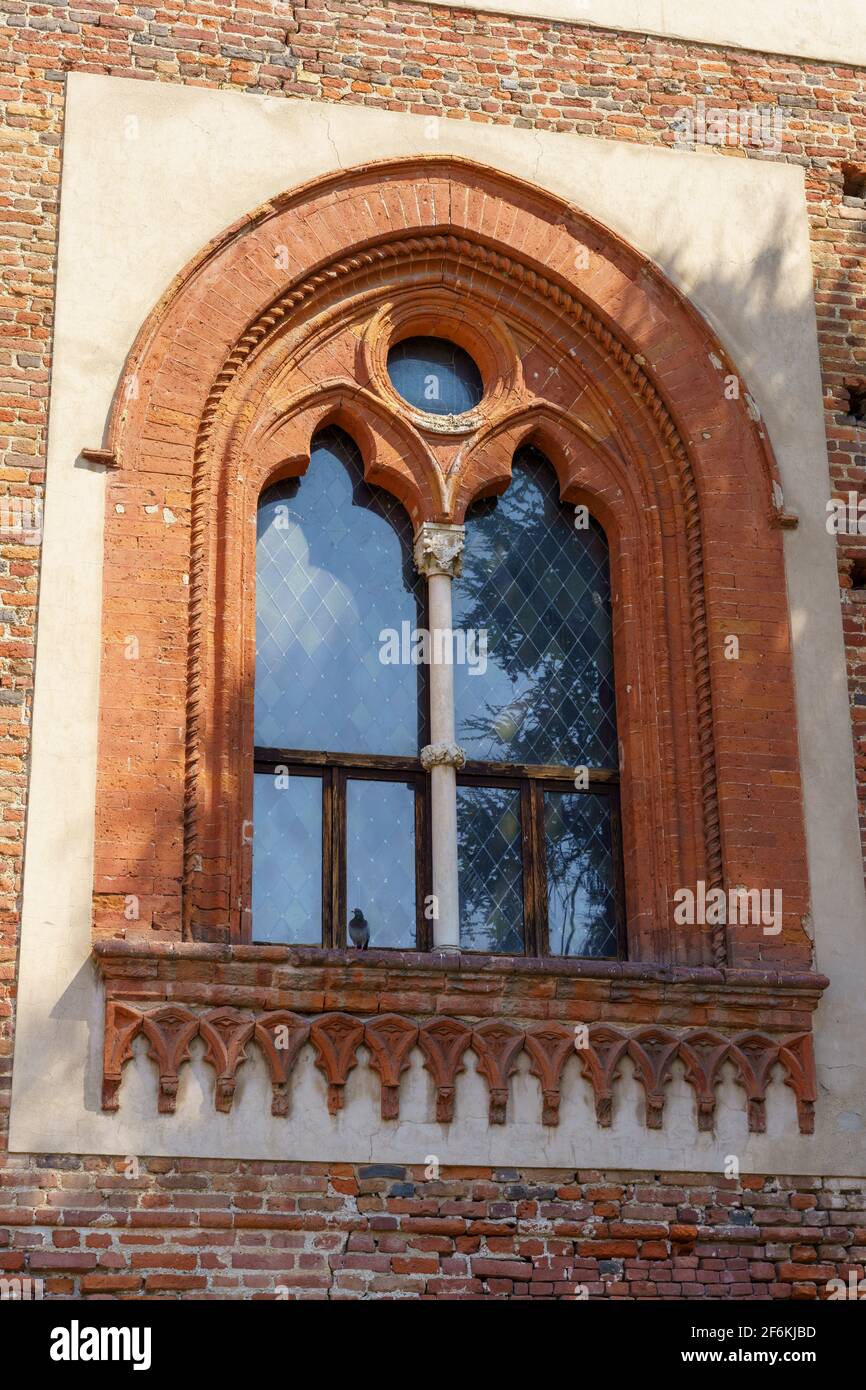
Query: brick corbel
x,y
336,1038
443,1042
225,1033
496,1043
281,1035
390,1039
497,1046
549,1045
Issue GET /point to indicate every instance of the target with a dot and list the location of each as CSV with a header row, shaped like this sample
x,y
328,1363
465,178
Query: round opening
x,y
435,376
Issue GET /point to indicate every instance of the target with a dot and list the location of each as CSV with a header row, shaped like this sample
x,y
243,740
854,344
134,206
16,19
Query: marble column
x,y
438,550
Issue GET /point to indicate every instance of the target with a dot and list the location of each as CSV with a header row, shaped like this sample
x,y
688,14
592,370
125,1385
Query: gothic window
x,y
338,803
538,798
340,807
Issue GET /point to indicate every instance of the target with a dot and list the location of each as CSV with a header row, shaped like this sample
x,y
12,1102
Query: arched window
x,y
537,802
338,807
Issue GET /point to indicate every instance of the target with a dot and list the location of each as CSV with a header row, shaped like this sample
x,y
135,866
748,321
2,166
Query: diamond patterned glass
x,y
490,867
380,857
334,578
541,590
580,877
435,376
287,858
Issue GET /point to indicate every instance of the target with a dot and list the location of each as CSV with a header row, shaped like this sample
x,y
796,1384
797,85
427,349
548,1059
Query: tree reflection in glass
x,y
540,587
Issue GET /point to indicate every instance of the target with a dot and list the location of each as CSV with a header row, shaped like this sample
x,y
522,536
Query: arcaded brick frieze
x,y
278,1000
389,1039
161,1228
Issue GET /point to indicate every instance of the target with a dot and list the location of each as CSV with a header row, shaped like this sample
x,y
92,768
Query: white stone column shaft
x,y
437,555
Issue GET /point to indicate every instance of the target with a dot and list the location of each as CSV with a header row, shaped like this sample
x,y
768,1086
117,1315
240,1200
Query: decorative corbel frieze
x,y
497,1044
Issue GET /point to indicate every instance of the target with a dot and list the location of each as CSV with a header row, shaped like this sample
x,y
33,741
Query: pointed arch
x,y
610,367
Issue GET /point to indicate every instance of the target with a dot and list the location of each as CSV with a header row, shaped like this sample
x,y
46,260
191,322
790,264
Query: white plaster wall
x,y
833,30
151,173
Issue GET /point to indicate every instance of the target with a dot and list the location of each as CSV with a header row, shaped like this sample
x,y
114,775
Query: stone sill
x,y
312,980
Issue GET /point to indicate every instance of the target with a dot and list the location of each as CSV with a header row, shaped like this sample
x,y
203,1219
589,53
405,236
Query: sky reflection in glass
x,y
435,376
334,569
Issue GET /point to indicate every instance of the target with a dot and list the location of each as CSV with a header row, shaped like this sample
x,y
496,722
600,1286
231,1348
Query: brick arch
x,y
634,417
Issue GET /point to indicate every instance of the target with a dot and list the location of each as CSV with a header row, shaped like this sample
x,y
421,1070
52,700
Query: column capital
x,y
439,548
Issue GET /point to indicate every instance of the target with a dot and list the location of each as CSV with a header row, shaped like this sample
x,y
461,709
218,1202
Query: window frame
x,y
334,770
531,780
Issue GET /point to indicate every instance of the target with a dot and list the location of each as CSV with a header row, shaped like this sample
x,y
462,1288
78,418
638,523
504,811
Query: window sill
x,y
227,967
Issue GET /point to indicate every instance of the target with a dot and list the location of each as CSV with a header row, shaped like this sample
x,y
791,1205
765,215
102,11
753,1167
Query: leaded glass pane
x,y
380,855
334,577
540,588
581,906
435,376
490,866
287,858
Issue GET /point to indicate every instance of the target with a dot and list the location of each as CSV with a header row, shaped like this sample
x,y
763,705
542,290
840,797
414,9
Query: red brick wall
x,y
410,58
288,1230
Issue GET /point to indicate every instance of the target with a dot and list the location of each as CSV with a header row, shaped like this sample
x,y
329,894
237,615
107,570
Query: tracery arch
x,y
585,351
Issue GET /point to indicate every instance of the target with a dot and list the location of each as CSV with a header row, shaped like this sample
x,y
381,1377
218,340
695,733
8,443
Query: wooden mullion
x,y
338,868
423,872
618,876
530,887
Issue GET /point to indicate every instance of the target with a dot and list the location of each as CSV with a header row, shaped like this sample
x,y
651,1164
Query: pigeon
x,y
359,930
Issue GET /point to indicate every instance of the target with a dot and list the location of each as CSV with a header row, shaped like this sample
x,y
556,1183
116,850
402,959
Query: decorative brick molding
x,y
621,385
281,999
497,1044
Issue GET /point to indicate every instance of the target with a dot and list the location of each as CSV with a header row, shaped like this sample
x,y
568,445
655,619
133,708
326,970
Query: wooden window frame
x,y
334,770
531,780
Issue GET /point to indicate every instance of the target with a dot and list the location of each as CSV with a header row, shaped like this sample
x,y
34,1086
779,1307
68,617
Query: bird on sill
x,y
359,930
